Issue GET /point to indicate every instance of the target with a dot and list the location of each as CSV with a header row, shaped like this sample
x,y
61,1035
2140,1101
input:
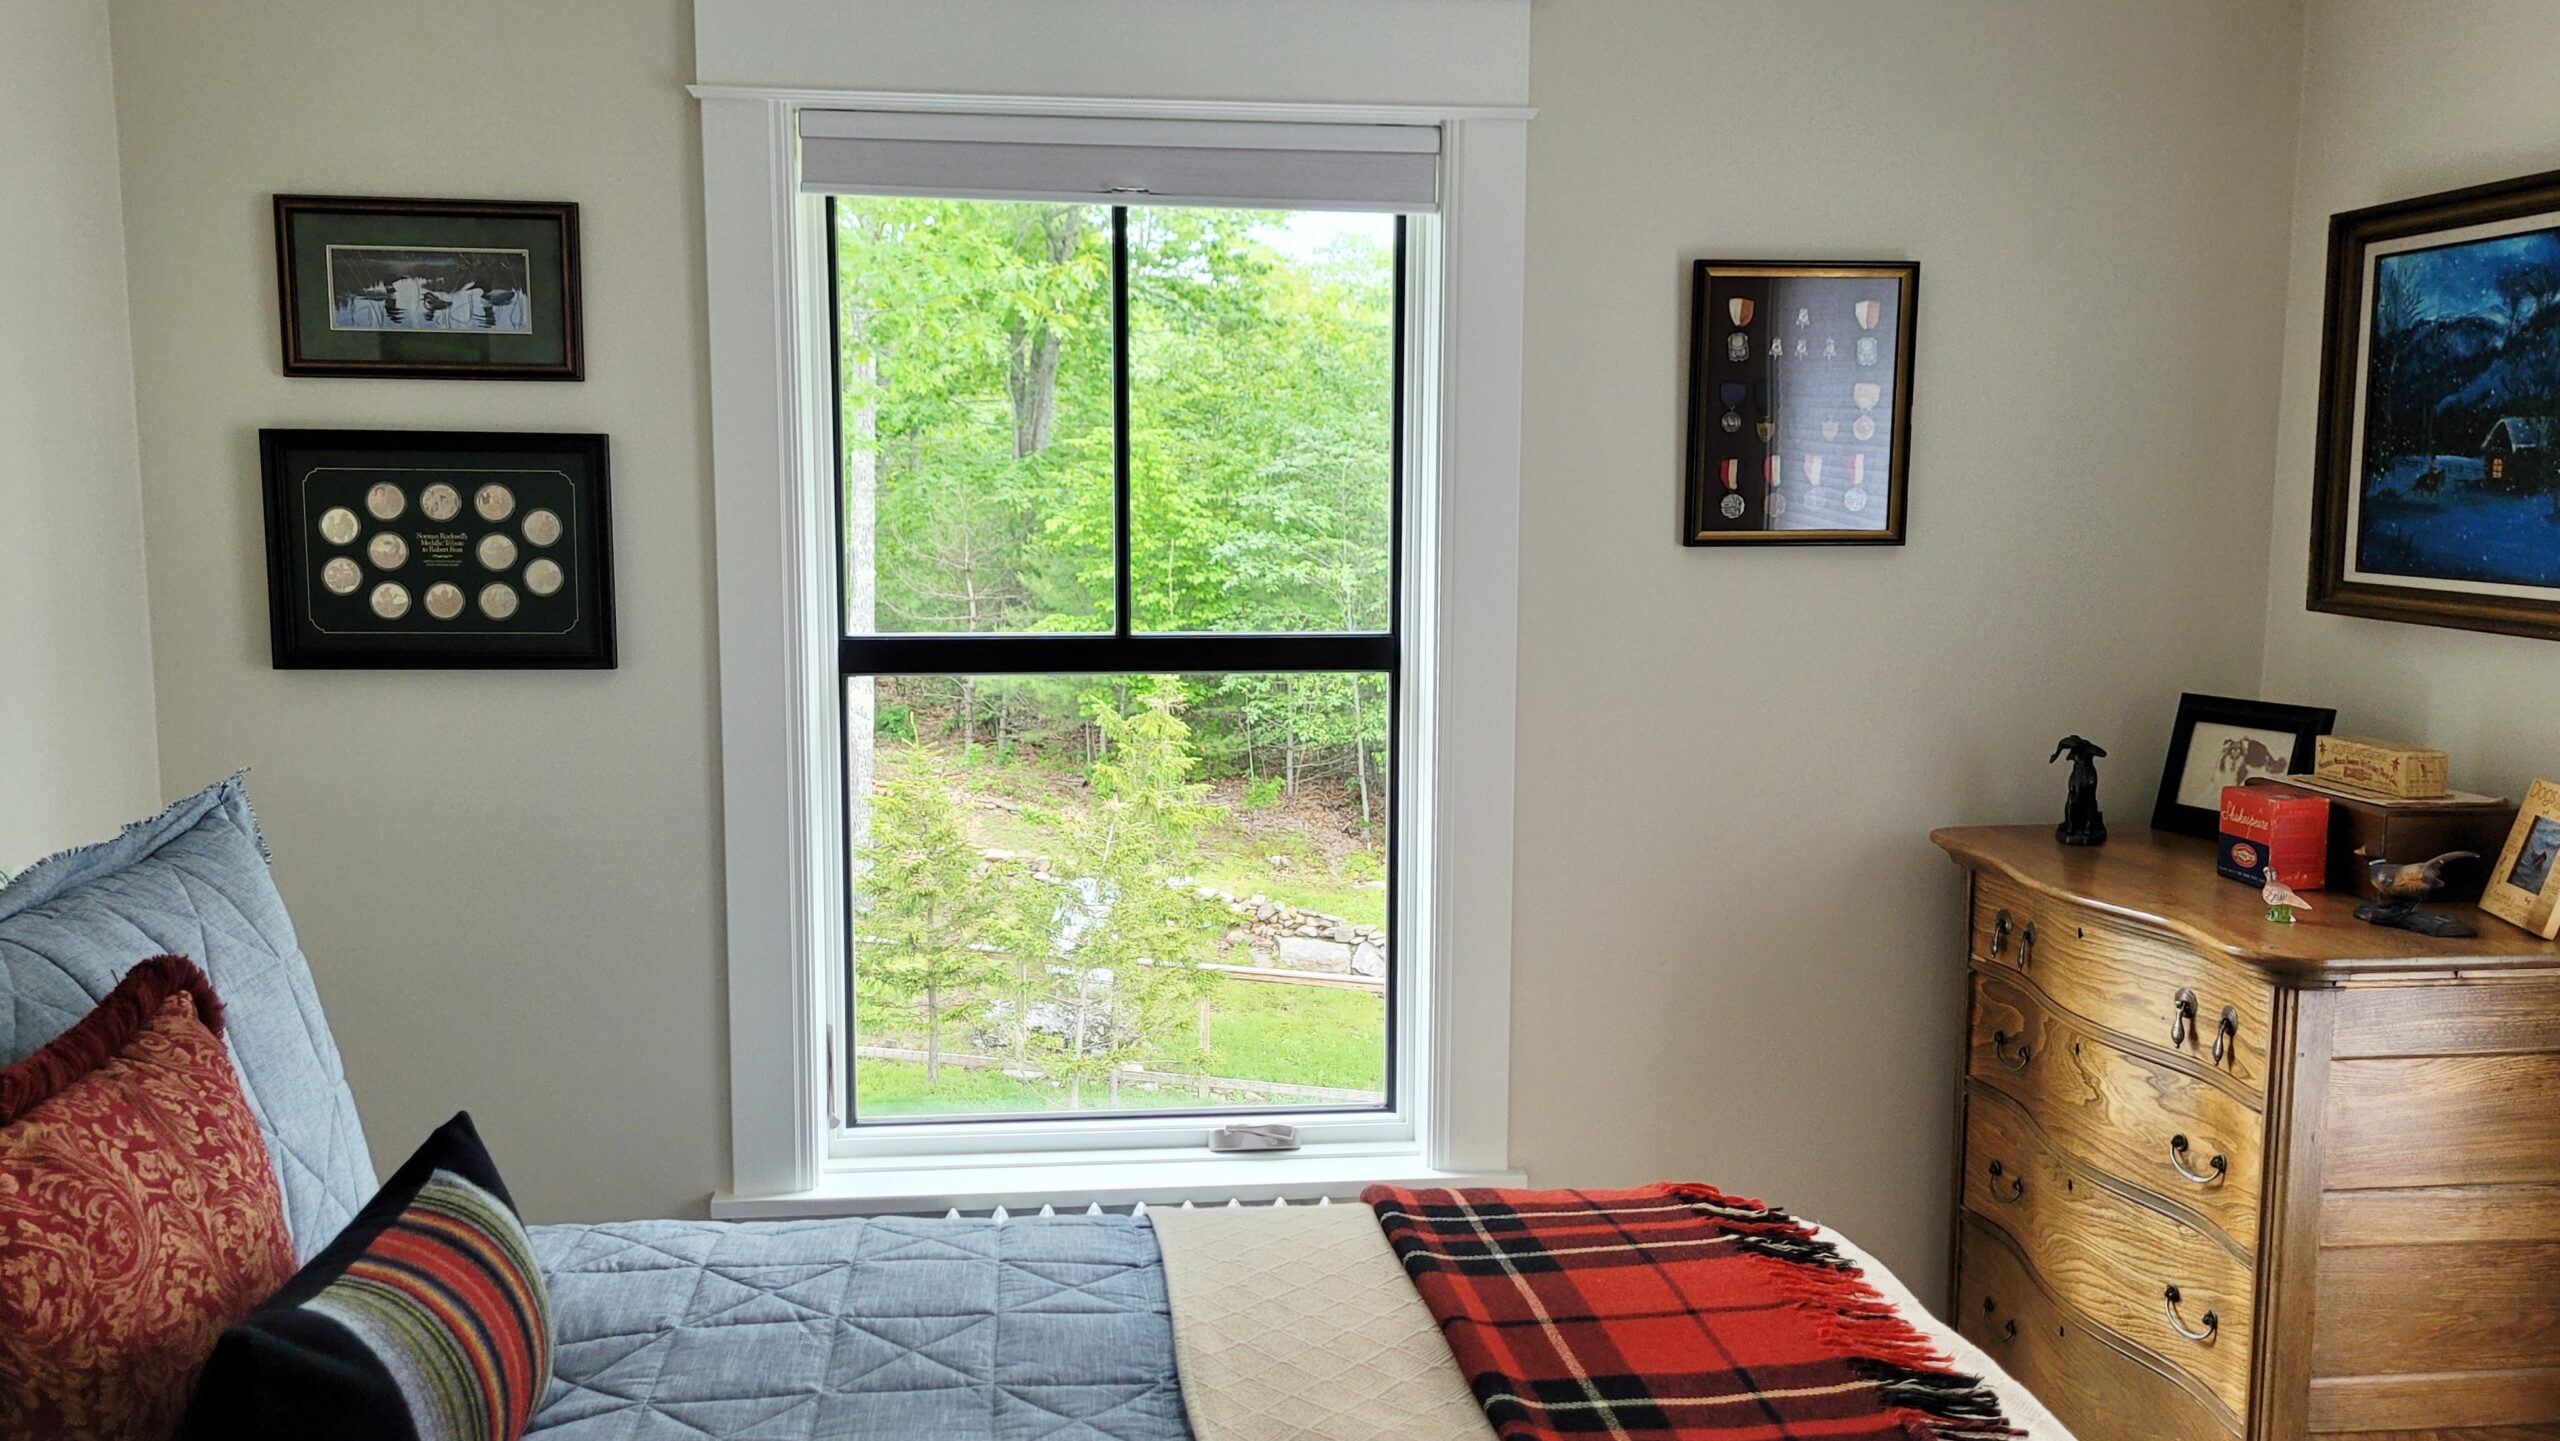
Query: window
x,y
1120,657
865,494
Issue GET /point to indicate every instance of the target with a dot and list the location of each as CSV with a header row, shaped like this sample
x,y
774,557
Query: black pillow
x,y
424,1320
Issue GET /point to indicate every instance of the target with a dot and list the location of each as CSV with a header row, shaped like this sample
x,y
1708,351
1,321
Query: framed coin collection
x,y
1799,403
438,549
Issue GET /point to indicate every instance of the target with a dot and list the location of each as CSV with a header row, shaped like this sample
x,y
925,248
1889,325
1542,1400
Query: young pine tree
x,y
920,953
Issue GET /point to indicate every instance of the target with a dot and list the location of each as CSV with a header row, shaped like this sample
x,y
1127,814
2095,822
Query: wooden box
x,y
2385,767
2364,827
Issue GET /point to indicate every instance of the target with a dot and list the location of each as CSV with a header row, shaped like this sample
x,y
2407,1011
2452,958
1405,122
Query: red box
x,y
2265,830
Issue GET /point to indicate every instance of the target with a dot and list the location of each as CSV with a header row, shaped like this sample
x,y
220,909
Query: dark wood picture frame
x,y
297,550
2305,724
552,346
1714,512
2338,470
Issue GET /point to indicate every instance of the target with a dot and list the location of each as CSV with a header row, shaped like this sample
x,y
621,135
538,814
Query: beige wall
x,y
2400,101
1735,947
77,752
507,883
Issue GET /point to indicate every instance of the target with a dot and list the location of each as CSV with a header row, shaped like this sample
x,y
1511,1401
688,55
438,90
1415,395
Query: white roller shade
x,y
1121,162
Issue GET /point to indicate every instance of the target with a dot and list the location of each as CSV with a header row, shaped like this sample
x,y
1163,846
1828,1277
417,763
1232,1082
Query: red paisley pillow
x,y
138,1215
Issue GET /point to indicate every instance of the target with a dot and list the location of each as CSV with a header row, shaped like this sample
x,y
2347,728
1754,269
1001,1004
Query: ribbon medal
x,y
1866,393
1739,309
1813,471
1856,499
1733,392
1771,467
1868,313
1733,504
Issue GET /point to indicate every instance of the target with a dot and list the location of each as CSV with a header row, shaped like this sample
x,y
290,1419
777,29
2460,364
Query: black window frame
x,y
1126,651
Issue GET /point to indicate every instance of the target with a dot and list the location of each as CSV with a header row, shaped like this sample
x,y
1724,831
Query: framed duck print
x,y
2437,478
429,289
1799,402
438,549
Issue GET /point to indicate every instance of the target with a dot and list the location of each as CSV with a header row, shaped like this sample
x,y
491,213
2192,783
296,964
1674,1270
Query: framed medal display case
x,y
1799,402
438,549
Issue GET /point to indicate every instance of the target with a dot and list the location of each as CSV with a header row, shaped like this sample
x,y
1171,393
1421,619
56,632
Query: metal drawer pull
x,y
2178,1158
2000,1048
2226,1037
1999,934
2212,1322
2017,1184
2182,1015
2027,946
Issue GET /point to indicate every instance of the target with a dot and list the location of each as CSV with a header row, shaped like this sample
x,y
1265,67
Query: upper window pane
x,y
974,370
1261,419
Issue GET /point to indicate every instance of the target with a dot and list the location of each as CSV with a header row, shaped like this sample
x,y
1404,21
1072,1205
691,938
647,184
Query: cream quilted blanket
x,y
1296,1324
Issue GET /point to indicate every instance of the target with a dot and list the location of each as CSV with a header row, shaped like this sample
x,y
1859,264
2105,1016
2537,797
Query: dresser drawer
x,y
2102,1392
2140,983
2137,1119
2108,1256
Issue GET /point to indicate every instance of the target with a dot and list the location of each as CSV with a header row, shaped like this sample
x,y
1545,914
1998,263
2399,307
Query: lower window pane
x,y
1114,894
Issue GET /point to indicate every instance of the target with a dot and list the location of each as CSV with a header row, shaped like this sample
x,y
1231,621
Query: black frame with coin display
x,y
1799,402
390,549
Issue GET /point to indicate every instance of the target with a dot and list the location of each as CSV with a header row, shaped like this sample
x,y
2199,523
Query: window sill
x,y
1110,1178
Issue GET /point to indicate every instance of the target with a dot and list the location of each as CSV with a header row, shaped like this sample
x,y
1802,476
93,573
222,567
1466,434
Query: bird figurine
x,y
2403,886
2281,901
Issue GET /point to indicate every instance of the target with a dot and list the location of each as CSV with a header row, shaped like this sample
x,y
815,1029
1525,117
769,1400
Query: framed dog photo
x,y
2522,890
2220,741
429,289
438,549
1799,402
2438,471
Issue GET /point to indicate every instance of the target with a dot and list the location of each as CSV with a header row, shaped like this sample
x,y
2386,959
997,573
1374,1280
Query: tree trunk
x,y
1031,349
932,1036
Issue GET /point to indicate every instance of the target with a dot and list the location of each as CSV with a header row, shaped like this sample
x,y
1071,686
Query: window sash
x,y
1156,653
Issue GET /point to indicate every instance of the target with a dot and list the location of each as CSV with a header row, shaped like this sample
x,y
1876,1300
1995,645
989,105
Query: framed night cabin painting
x,y
2437,496
1799,402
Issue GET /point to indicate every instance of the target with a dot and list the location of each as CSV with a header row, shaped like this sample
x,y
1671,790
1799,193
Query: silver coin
x,y
386,501
543,577
390,601
541,527
494,502
497,552
342,576
444,600
497,600
440,502
387,551
338,525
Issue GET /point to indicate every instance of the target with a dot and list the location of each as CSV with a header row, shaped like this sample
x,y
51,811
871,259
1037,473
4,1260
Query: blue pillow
x,y
192,881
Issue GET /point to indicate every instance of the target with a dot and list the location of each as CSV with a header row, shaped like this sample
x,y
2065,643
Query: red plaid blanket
x,y
1670,1313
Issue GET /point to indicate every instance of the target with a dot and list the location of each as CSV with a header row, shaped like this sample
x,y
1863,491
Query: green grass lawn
x,y
1310,1035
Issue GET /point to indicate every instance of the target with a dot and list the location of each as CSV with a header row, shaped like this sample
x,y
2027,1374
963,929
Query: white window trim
x,y
773,477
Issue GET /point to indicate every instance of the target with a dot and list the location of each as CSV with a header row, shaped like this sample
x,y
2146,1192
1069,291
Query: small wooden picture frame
x,y
429,289
1799,402
2219,741
2522,889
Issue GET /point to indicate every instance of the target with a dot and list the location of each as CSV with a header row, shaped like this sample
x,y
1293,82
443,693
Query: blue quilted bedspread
x,y
891,1329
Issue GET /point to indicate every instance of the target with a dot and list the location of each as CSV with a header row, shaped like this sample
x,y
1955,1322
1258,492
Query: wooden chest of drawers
x,y
2221,1178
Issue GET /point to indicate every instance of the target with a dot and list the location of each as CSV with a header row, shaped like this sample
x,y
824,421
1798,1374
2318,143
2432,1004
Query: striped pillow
x,y
425,1320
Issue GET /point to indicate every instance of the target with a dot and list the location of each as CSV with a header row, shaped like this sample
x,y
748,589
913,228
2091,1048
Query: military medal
x,y
1733,392
1733,504
1739,309
1777,347
1830,349
1804,317
1800,350
1768,428
1865,393
1856,499
1773,466
1868,313
1737,346
1831,430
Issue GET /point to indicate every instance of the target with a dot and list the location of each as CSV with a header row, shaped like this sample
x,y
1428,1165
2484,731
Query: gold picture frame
x,y
2523,889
